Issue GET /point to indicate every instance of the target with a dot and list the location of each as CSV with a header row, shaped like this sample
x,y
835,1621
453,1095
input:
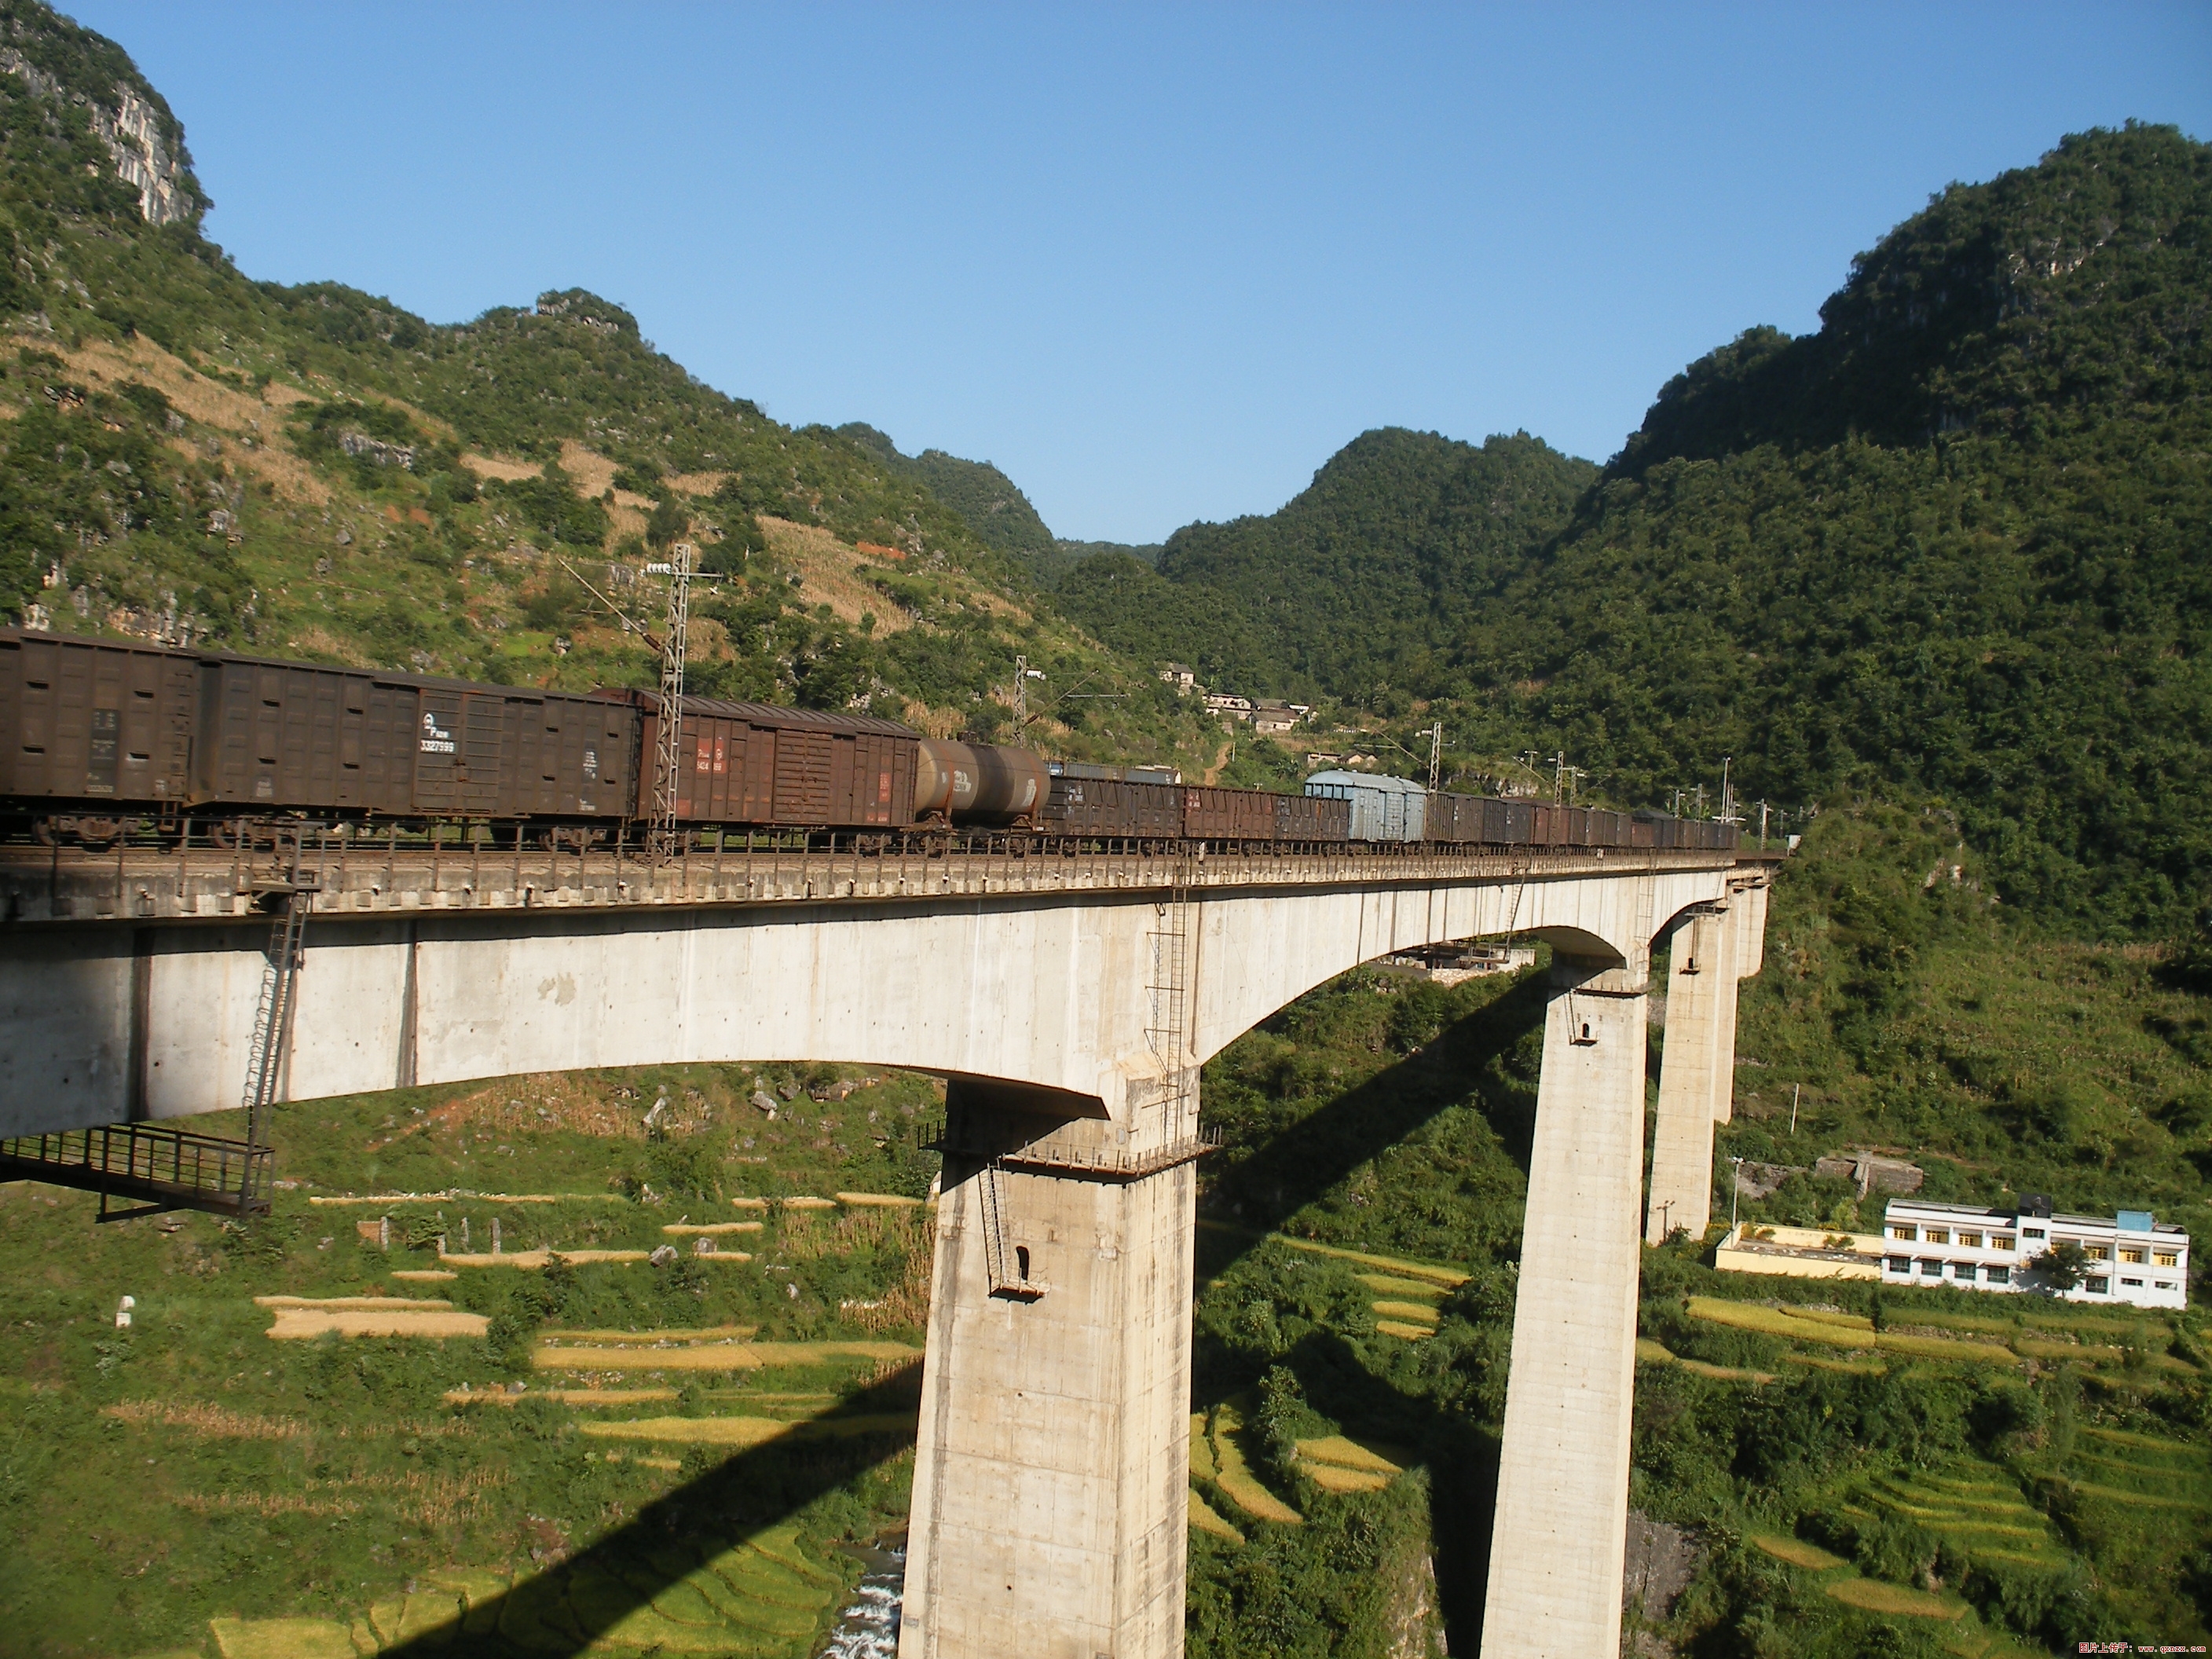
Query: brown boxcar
x,y
753,762
1214,814
95,721
1312,817
1578,826
301,738
1112,807
1459,818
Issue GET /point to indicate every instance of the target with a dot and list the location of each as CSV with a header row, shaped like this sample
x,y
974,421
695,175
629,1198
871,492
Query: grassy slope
x,y
318,1478
179,445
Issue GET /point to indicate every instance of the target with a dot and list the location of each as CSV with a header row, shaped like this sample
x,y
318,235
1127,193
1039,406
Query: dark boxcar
x,y
1212,814
1312,817
1578,826
1519,823
1667,832
752,762
1440,820
1550,828
1110,807
95,720
1641,833
300,738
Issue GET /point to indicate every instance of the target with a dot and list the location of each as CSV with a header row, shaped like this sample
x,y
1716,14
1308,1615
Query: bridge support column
x,y
1049,1510
1695,1069
1560,1536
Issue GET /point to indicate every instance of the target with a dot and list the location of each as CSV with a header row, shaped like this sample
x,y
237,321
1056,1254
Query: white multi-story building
x,y
2130,1257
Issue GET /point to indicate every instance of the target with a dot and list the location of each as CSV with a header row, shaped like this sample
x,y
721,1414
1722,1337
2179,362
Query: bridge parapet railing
x,y
354,876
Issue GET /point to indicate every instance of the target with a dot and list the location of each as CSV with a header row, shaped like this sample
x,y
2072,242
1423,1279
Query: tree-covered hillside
x,y
1954,544
1360,587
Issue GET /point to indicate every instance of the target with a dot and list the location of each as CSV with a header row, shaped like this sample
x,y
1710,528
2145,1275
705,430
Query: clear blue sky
x,y
1157,262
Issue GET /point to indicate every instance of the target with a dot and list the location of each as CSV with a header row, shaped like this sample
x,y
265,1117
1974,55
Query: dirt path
x,y
1228,748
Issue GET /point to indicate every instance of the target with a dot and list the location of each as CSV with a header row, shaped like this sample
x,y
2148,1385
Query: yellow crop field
x,y
1653,1353
1946,1348
296,1324
1348,1454
880,1200
1797,1552
1876,1597
213,1422
565,1396
1834,1316
1725,1373
540,1259
707,1333
1201,1449
2088,1353
711,1229
281,1639
1404,1332
1450,1278
712,1357
1235,1477
1329,1478
1797,1327
1202,1516
1383,1284
744,1431
1420,1313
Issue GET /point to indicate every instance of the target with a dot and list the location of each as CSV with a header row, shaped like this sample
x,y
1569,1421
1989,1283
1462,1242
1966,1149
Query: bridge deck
x,y
362,877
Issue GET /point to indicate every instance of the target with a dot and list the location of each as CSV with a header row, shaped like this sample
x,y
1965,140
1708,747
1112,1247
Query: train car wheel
x,y
98,835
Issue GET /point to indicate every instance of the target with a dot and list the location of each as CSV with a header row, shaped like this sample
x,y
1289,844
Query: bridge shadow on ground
x,y
1481,1060
666,1550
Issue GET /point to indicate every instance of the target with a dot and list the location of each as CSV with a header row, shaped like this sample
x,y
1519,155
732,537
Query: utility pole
x,y
668,744
1736,1190
1728,793
1794,1093
1023,675
1559,774
1435,754
1762,823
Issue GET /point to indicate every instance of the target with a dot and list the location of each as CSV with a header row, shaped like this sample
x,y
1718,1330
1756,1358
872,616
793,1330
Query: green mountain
x,y
1953,545
986,499
1360,587
189,454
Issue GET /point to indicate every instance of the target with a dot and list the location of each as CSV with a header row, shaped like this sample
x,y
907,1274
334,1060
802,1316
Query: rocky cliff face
x,y
57,60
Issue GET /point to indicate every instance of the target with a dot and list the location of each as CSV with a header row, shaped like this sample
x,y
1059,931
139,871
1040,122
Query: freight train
x,y
106,739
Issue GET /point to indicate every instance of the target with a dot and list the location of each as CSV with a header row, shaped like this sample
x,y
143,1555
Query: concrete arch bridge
x,y
1069,1002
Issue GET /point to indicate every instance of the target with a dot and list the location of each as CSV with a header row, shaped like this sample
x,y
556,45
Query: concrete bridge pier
x,y
1049,1510
1694,1070
1718,946
1560,1535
